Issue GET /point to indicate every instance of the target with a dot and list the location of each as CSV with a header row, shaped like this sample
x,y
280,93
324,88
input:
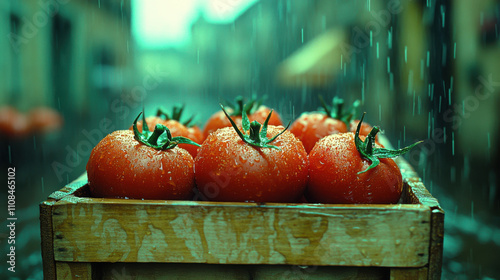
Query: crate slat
x,y
113,230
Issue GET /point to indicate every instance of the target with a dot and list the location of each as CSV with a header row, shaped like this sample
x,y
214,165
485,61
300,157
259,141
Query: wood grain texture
x,y
47,238
115,230
436,249
409,273
416,193
75,271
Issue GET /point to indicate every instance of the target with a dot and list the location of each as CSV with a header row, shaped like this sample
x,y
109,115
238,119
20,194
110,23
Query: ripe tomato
x,y
256,112
44,119
138,165
235,166
312,126
364,130
176,128
13,124
344,169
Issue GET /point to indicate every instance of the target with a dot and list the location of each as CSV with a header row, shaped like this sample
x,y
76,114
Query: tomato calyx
x,y
336,110
368,150
257,133
160,138
175,115
240,108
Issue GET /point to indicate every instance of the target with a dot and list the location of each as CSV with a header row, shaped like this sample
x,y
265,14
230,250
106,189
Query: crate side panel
x,y
100,232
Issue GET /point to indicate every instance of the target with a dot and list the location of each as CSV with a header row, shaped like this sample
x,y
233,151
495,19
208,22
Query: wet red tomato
x,y
148,168
177,129
344,169
333,174
311,127
228,168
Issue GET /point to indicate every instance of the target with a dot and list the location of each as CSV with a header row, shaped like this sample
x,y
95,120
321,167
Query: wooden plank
x,y
76,271
48,262
436,248
77,188
115,230
416,191
420,273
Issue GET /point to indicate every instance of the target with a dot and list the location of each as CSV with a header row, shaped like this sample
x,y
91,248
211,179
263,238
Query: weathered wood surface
x,y
409,273
75,271
417,193
47,239
115,230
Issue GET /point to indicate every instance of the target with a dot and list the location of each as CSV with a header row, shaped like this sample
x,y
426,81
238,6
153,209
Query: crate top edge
x,y
117,202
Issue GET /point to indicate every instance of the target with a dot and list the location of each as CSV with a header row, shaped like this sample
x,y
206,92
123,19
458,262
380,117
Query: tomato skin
x,y
194,133
228,169
13,123
44,120
311,127
333,178
219,119
177,129
119,166
364,129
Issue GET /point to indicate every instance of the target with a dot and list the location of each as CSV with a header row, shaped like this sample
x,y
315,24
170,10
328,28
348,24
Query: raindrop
x,y
43,186
406,54
421,69
389,38
453,143
443,15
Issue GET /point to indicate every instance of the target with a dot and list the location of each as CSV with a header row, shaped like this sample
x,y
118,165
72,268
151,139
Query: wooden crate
x,y
96,238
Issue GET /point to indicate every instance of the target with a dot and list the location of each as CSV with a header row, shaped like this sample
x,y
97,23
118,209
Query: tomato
x,y
256,112
13,124
130,164
312,126
344,169
236,166
176,128
44,119
364,130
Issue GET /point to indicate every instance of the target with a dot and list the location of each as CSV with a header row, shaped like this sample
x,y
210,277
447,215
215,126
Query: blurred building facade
x,y
62,53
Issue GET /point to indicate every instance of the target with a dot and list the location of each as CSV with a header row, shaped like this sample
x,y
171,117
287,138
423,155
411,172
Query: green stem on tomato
x,y
176,115
154,139
257,133
369,151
